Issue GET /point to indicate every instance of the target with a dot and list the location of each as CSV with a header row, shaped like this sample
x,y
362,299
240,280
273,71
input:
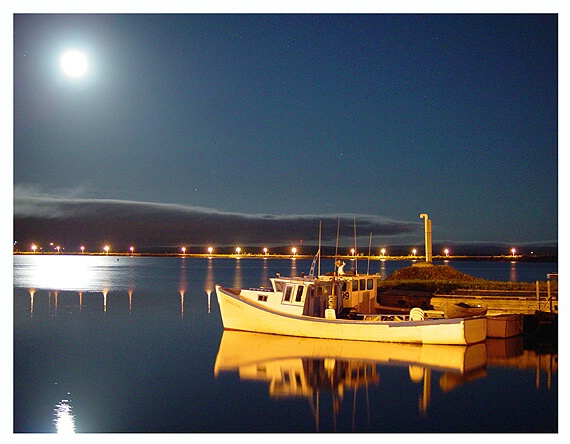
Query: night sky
x,y
219,129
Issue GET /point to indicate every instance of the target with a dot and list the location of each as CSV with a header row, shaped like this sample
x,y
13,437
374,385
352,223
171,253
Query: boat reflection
x,y
511,353
306,367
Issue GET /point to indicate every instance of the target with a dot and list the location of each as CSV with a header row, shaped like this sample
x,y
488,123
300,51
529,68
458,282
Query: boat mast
x,y
329,312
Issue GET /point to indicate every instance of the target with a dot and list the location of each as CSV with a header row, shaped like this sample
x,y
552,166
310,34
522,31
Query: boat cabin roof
x,y
327,278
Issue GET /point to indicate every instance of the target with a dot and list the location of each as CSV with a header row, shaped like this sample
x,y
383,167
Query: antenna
x,y
319,272
336,251
369,246
355,252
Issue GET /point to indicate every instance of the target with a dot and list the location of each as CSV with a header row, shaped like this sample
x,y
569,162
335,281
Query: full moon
x,y
74,63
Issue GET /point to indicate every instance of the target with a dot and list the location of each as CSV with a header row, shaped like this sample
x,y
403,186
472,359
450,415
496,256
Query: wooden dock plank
x,y
499,303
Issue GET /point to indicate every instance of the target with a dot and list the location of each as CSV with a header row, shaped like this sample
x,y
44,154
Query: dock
x,y
501,302
539,312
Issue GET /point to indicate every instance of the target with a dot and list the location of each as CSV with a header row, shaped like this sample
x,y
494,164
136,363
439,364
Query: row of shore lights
x,y
107,248
58,248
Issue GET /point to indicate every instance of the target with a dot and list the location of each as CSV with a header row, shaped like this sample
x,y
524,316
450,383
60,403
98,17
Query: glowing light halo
x,y
74,63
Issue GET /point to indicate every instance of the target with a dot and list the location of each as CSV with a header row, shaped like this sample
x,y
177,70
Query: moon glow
x,y
74,63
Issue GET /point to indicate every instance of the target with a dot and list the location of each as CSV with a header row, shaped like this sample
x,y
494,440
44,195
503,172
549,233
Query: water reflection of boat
x,y
305,367
244,348
511,353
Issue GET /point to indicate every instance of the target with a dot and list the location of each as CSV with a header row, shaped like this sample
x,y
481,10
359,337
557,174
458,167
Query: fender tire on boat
x,y
416,314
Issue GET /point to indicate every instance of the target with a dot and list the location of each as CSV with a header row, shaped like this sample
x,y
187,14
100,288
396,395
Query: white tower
x,y
427,229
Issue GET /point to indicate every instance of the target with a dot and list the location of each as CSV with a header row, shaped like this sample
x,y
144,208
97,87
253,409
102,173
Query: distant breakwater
x,y
494,258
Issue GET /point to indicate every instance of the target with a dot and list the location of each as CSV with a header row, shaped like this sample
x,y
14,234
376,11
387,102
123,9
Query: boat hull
x,y
504,325
241,314
462,310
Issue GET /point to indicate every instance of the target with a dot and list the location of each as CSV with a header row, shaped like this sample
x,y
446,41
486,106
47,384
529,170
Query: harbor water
x,y
112,344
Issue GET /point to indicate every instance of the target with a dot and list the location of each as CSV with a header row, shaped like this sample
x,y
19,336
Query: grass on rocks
x,y
444,278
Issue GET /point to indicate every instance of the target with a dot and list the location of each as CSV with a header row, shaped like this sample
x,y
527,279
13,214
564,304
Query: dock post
x,y
548,292
537,296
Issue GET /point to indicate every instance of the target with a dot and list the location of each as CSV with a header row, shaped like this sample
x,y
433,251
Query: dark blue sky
x,y
390,116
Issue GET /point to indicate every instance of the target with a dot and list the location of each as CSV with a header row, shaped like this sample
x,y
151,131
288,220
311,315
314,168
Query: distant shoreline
x,y
491,258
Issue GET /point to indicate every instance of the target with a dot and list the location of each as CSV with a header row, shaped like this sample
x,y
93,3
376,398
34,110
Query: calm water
x,y
132,344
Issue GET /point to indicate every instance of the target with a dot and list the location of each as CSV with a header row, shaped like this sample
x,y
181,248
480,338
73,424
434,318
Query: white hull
x,y
238,313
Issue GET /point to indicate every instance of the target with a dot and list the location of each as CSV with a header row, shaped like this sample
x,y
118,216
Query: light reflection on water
x,y
64,418
63,272
513,272
143,335
238,281
98,273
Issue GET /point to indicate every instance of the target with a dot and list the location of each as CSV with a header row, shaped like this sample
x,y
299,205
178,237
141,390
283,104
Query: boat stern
x,y
456,331
475,329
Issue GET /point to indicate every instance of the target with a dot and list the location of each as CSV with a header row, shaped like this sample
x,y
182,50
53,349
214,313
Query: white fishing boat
x,y
302,313
338,306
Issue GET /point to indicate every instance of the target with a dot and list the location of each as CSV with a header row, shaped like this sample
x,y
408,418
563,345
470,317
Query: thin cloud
x,y
73,219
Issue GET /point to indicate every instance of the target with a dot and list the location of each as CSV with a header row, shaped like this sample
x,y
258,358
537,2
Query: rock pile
x,y
433,273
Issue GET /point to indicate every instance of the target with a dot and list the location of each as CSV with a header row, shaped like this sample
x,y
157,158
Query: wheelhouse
x,y
352,293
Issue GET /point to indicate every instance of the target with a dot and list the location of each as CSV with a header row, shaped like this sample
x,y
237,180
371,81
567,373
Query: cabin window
x,y
262,297
343,286
287,294
278,286
370,284
323,290
310,291
362,284
355,285
299,294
